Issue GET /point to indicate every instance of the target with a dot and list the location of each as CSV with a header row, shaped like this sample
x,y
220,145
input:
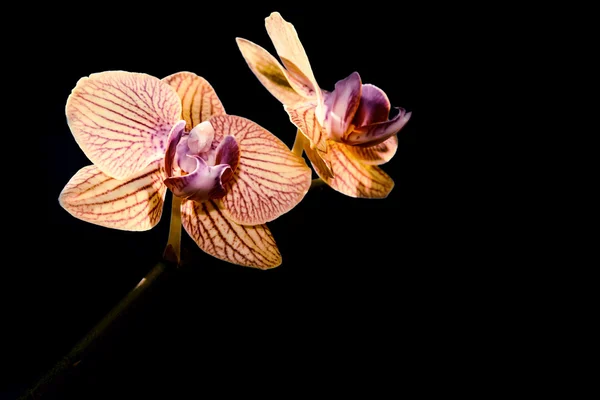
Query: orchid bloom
x,y
349,130
144,135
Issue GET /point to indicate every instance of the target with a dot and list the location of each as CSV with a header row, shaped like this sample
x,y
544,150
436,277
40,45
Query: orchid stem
x,y
63,369
315,183
173,250
298,144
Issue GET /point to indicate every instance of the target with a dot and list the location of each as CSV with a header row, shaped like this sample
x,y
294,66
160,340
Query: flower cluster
x,y
228,175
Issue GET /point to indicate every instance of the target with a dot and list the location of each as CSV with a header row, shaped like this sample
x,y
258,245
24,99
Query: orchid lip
x,y
195,170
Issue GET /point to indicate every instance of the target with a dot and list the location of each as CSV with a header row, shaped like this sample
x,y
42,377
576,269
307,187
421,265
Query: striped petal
x,y
251,246
269,180
132,205
121,120
375,155
292,55
199,100
303,116
351,177
269,72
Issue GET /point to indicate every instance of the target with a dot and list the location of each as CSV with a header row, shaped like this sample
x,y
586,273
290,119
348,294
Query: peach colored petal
x,y
375,155
121,120
251,246
269,72
303,116
269,180
292,54
350,176
132,205
198,98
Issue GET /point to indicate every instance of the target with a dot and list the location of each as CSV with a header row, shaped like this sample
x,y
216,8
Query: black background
x,y
350,287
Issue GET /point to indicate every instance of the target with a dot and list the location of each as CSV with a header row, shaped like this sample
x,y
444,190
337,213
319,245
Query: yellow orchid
x,y
348,131
144,135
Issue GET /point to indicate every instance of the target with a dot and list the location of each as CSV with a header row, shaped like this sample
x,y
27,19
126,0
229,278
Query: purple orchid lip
x,y
357,114
373,134
209,170
204,183
341,105
374,106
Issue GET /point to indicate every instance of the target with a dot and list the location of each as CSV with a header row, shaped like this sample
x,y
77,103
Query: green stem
x,y
298,144
67,365
173,250
315,183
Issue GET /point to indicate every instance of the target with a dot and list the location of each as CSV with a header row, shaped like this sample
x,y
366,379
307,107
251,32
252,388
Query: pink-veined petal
x,y
374,106
378,132
269,72
198,98
292,55
269,180
303,116
251,246
132,205
121,120
351,177
375,155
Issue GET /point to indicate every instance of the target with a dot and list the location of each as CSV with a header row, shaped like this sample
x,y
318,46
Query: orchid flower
x,y
144,135
348,131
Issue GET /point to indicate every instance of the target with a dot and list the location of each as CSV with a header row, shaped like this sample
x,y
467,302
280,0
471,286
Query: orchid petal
x,y
374,106
121,120
198,98
378,132
251,246
303,116
341,105
292,55
132,205
351,177
269,180
375,155
269,72
205,182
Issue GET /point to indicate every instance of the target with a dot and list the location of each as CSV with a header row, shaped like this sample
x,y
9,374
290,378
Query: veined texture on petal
x,y
269,180
251,246
377,154
303,116
121,120
269,72
198,98
132,205
351,177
